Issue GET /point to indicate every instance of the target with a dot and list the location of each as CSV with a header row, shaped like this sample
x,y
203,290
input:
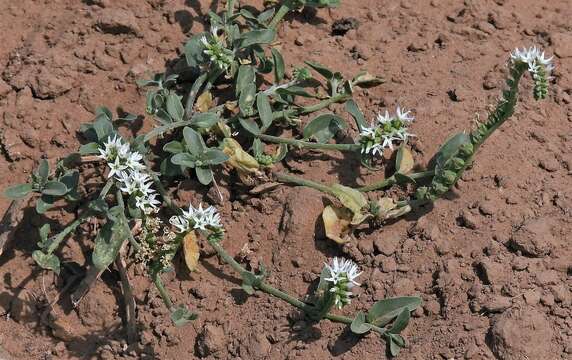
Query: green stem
x,y
57,239
229,9
307,308
291,179
309,145
286,6
162,291
392,181
310,109
134,243
163,129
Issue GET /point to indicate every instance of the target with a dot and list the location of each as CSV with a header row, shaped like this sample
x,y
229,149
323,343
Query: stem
x,y
163,129
307,308
309,145
229,9
391,181
162,291
282,11
310,109
291,179
132,240
57,239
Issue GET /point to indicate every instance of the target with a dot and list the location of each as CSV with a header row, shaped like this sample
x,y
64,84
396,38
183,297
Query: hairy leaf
x,y
384,311
264,111
18,191
55,188
47,261
278,65
358,325
110,238
324,127
193,141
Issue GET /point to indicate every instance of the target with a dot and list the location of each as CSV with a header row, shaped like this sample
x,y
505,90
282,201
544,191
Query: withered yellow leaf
x,y
191,250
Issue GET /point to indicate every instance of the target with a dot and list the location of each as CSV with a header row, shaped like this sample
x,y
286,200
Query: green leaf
x,y
193,141
181,315
264,110
103,127
246,99
359,326
214,157
184,159
257,147
55,188
175,107
398,339
451,147
365,80
90,148
44,204
44,232
394,348
194,50
204,120
322,3
43,170
294,91
383,311
356,113
47,261
70,180
99,206
250,125
265,36
204,174
279,67
324,127
249,280
174,147
401,321
104,111
321,69
110,238
245,77
18,191
264,16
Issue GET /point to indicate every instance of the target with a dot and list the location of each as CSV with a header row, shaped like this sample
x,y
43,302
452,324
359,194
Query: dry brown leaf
x,y
204,101
337,223
191,251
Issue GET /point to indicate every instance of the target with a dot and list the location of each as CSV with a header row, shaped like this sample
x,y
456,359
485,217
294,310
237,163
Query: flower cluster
x,y
197,218
342,277
216,49
539,67
385,131
125,165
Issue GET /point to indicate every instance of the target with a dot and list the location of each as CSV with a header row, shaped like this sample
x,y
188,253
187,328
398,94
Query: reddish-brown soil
x,y
492,261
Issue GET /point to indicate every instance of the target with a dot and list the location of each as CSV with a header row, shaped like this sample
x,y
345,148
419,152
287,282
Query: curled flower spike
x,y
197,218
216,50
343,273
539,66
387,129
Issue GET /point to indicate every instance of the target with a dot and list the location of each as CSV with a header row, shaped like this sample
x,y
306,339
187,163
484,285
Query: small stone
x,y
50,86
561,294
210,341
522,334
117,21
365,246
387,245
497,304
418,45
562,44
549,164
388,265
472,351
547,300
534,238
494,273
256,347
487,208
4,89
532,297
432,307
468,220
59,349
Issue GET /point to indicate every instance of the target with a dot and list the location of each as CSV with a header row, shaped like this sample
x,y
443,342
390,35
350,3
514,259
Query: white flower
x,y
116,167
199,218
205,41
534,58
384,119
343,269
113,148
343,273
404,115
180,222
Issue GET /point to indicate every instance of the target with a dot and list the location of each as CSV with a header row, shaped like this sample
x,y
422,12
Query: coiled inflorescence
x,y
539,67
215,48
342,275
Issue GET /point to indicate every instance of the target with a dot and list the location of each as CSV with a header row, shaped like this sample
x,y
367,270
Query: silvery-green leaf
x,y
358,325
47,261
204,174
193,141
384,311
324,127
278,65
55,188
18,191
181,315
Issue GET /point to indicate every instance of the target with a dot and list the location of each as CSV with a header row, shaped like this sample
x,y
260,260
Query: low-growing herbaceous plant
x,y
230,106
